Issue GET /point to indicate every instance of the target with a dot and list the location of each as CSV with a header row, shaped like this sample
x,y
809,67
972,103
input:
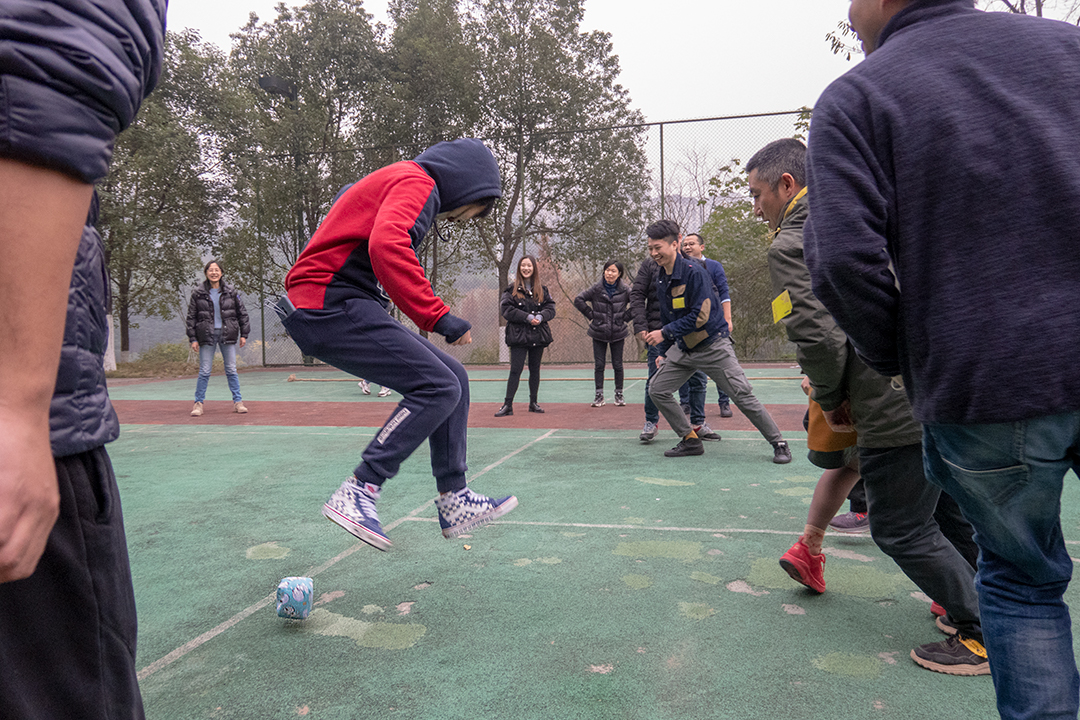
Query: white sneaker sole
x,y
479,520
373,539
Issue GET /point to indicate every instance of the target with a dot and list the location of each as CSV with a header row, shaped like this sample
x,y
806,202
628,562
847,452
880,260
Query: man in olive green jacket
x,y
908,516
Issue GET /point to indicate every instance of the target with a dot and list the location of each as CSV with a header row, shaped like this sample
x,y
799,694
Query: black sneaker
x,y
725,409
686,447
781,453
598,401
619,398
957,655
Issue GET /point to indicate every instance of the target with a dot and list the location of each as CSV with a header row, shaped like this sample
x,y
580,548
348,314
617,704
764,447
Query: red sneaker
x,y
803,567
937,609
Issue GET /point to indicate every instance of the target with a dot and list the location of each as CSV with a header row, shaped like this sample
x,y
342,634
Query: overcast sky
x,y
680,59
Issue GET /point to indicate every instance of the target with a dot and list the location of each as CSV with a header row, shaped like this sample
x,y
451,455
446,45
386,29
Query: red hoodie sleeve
x,y
392,256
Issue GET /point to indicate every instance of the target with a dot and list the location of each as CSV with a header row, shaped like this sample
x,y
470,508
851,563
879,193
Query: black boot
x,y
506,409
535,407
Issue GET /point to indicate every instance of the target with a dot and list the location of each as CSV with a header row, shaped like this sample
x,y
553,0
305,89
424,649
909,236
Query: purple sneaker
x,y
464,510
353,508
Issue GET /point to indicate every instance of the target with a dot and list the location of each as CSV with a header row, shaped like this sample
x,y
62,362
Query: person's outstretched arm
x,y
41,221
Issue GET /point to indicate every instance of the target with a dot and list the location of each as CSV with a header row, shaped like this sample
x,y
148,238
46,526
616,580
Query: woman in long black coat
x,y
607,306
527,307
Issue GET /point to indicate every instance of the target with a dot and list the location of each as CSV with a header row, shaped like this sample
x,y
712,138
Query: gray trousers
x,y
718,361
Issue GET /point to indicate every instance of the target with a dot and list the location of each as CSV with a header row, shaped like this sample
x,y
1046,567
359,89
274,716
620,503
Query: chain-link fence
x,y
695,178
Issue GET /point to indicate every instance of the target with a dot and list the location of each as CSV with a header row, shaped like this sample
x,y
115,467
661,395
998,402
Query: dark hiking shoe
x,y
535,407
957,655
686,447
781,453
725,409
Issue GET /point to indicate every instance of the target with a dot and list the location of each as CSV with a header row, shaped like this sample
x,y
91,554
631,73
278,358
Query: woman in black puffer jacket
x,y
607,306
527,307
216,318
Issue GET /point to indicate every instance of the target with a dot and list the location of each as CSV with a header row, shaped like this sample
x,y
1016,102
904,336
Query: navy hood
x,y
464,171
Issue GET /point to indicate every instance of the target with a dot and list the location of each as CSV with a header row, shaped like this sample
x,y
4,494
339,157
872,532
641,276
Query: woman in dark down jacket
x,y
607,306
527,307
216,318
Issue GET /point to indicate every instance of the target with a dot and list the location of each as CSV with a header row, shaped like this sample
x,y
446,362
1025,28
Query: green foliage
x,y
166,352
542,76
160,202
843,40
288,153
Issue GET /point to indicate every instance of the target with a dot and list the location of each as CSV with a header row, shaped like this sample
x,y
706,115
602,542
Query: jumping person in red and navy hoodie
x,y
336,310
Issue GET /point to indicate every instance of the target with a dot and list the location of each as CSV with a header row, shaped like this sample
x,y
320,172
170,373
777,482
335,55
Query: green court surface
x,y
625,585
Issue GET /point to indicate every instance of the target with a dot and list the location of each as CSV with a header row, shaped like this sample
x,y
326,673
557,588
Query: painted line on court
x,y
187,647
612,526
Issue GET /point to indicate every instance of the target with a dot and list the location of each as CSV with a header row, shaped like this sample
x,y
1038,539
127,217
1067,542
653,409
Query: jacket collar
x,y
920,10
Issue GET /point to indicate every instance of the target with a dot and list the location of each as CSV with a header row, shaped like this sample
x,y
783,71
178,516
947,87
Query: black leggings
x,y
599,351
517,364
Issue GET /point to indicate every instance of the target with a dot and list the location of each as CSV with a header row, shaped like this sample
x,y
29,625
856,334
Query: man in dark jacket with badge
x,y
694,336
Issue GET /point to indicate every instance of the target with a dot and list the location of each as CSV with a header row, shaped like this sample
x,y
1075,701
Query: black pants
x,y
922,529
517,364
857,497
67,632
599,352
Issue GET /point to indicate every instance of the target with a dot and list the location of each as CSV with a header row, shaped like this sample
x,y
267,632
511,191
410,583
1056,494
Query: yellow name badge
x,y
781,306
678,303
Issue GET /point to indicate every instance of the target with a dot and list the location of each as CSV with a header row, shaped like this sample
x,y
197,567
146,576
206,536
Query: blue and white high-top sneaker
x,y
353,508
464,510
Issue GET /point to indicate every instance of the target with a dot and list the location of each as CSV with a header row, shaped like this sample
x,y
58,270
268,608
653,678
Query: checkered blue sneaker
x,y
353,508
464,510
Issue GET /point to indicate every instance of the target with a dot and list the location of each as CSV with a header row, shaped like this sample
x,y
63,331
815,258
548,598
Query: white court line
x,y
606,526
272,597
150,429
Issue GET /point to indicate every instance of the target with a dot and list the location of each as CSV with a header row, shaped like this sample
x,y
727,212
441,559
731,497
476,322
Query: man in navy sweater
x,y
945,172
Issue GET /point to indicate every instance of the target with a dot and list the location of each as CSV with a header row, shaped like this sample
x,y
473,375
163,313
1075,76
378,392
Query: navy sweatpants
x,y
361,338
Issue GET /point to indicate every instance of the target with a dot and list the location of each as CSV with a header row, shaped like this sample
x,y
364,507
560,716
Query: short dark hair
x,y
663,229
488,203
701,239
618,266
212,262
778,157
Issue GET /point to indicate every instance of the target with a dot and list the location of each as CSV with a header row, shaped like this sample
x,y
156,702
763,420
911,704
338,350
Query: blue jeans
x,y
1007,479
206,363
652,413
